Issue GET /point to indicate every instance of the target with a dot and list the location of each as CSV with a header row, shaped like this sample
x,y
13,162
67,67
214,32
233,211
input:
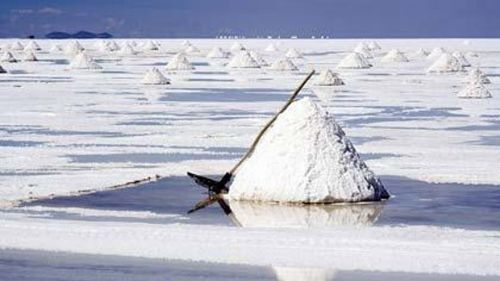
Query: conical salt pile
x,y
32,46
83,61
155,77
271,48
113,46
329,78
374,46
237,46
2,70
354,60
29,56
191,49
463,61
186,43
363,49
73,48
421,53
16,46
478,75
258,58
436,53
8,57
243,59
105,48
305,157
150,46
474,90
56,48
293,54
179,62
445,63
283,65
127,50
394,55
217,53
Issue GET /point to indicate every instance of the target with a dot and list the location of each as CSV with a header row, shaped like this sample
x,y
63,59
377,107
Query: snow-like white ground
x,y
66,131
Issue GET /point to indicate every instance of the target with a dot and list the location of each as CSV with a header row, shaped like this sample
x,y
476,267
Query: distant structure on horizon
x,y
78,35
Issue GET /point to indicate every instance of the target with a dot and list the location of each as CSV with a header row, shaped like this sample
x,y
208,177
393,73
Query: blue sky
x,y
207,18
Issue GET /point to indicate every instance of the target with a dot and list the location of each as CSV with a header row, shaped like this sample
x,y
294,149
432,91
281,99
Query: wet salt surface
x,y
413,203
41,266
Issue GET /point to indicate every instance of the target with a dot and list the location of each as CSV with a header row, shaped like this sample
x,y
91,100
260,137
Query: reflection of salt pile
x,y
474,90
329,78
29,56
217,53
445,63
283,65
271,48
394,55
237,46
258,58
73,48
32,46
179,62
8,57
478,75
436,53
243,59
421,53
2,70
293,54
154,77
354,60
460,57
83,61
305,157
262,214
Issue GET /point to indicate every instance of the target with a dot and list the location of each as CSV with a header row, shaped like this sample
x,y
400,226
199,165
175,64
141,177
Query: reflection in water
x,y
326,94
153,93
261,214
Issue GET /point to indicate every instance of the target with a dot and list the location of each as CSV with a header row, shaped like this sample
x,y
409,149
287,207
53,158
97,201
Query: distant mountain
x,y
78,35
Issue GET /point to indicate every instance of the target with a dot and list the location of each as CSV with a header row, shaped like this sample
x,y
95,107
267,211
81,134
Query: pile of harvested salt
x,y
56,48
478,75
16,46
460,57
32,46
283,65
150,46
8,57
73,48
329,78
436,53
113,46
127,50
83,61
155,77
258,58
394,55
354,60
363,49
421,53
217,53
474,90
445,63
293,54
237,46
179,62
271,48
2,70
29,56
305,157
374,46
191,49
243,59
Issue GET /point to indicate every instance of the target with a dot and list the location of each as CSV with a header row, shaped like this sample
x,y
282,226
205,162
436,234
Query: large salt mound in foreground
x,y
305,157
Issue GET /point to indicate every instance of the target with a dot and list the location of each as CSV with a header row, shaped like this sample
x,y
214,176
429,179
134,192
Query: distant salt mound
x,y
217,53
29,56
374,46
127,50
305,157
83,61
394,55
113,46
2,70
243,59
179,62
478,75
186,43
283,64
293,54
354,61
363,49
445,63
436,53
150,46
329,78
73,48
271,48
7,57
237,46
155,77
16,46
191,49
32,46
474,90
421,53
56,48
463,61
